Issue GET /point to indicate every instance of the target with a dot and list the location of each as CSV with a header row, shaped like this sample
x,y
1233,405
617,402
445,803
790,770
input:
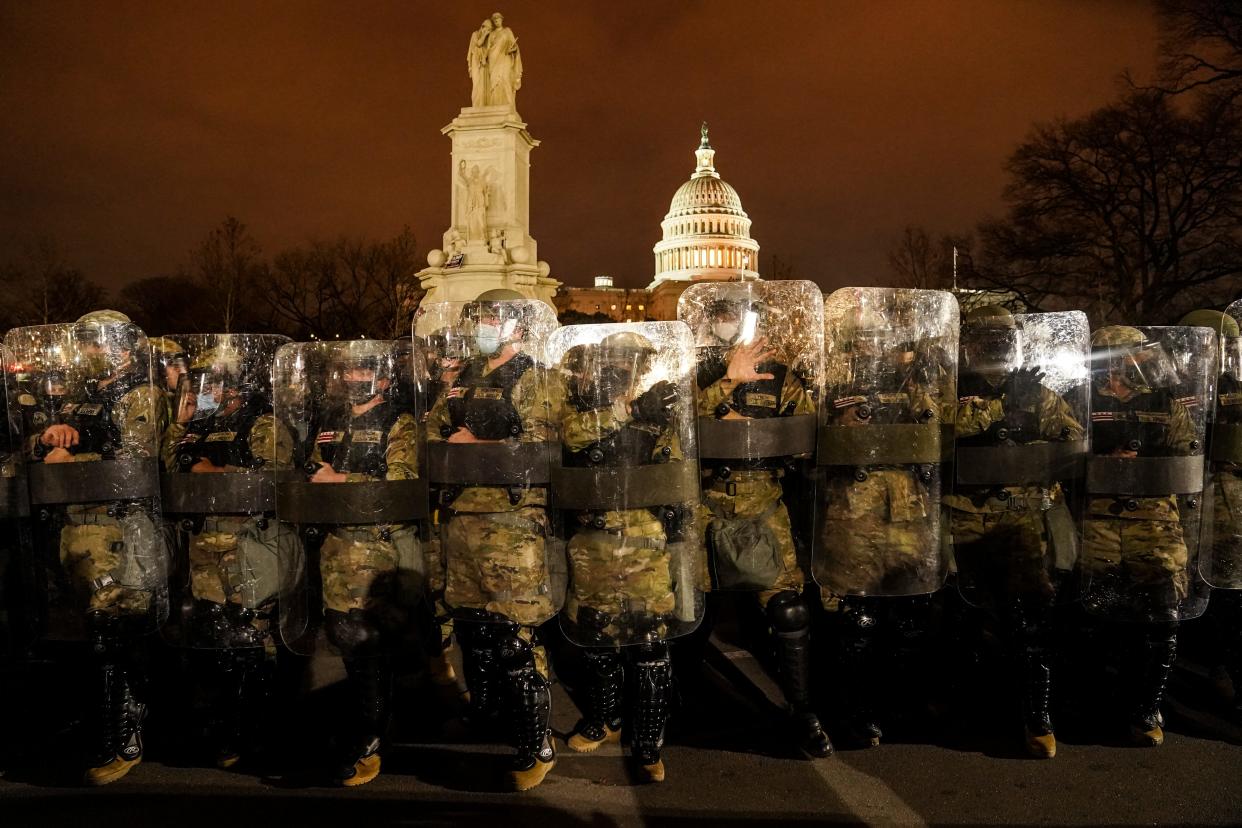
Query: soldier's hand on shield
x,y
325,474
58,455
745,359
462,435
1022,387
205,466
655,405
59,436
1123,452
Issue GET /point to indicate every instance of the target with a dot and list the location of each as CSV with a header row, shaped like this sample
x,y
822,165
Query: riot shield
x,y
16,583
1144,527
350,497
220,454
99,552
491,442
1020,454
627,484
890,359
1221,561
759,349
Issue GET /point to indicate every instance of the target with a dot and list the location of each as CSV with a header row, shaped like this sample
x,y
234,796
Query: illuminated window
x,y
642,307
614,307
629,307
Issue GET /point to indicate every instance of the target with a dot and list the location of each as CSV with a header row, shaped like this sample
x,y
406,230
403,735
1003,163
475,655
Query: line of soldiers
x,y
497,472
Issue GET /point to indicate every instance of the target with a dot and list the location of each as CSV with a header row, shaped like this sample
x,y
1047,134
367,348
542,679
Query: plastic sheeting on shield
x,y
626,488
350,496
1151,391
491,442
218,490
890,359
1221,561
760,350
1020,453
16,584
90,420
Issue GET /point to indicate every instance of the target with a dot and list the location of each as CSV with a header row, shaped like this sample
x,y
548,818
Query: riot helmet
x,y
991,341
1230,338
218,381
363,370
171,361
496,316
1125,362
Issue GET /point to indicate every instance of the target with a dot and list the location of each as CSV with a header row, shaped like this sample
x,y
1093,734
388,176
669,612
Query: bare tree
x,y
40,288
919,261
1131,212
166,304
1200,46
227,265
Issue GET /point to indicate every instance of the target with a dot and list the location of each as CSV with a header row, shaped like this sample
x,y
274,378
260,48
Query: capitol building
x,y
706,237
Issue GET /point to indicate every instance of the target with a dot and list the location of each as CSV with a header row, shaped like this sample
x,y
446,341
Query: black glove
x,y
655,405
1022,388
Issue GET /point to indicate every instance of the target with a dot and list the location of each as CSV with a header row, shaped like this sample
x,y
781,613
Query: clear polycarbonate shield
x,y
16,583
220,454
626,488
1021,433
90,426
491,441
1221,561
350,497
759,349
1145,523
890,360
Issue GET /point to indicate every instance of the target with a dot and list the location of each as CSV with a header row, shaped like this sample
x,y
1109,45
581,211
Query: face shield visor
x,y
1142,368
993,350
363,381
1231,357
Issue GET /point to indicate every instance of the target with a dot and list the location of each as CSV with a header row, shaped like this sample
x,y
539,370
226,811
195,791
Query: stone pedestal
x,y
491,156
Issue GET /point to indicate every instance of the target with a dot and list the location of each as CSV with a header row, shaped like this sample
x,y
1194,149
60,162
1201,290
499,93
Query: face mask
x,y
487,338
360,392
205,405
725,331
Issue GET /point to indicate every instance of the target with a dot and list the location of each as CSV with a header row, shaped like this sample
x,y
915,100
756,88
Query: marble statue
x,y
494,63
476,202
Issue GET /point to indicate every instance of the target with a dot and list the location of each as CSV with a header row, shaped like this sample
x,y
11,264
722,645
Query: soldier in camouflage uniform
x,y
1001,541
622,588
494,537
1223,566
111,555
878,546
169,363
369,572
747,525
225,425
1135,547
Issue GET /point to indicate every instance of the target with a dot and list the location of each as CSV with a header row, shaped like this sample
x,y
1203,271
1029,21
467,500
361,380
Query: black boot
x,y
479,661
601,722
530,711
791,626
369,682
1035,678
858,630
1158,651
653,679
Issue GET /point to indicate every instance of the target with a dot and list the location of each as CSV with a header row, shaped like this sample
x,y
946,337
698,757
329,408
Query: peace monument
x,y
488,243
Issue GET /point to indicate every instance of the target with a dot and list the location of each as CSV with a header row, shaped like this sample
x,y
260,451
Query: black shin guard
x,y
605,682
529,699
791,626
1158,650
1034,671
653,679
858,620
481,666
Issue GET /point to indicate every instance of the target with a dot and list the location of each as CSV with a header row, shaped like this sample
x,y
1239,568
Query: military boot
x,y
531,709
1041,742
360,757
1159,650
602,722
483,673
858,632
123,723
653,677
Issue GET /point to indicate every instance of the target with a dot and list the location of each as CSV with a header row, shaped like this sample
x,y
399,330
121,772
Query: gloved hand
x,y
1022,388
655,405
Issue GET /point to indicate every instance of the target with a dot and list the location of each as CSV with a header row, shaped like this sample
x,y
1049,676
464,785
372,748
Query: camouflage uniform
x,y
1134,556
494,538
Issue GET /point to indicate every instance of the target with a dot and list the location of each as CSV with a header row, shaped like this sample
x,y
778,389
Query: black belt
x,y
1145,476
1036,463
224,493
895,444
98,481
624,487
756,438
491,464
370,501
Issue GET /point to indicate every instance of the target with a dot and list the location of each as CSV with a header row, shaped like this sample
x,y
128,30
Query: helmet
x,y
216,376
1218,321
500,295
990,316
104,317
1120,352
991,340
166,347
365,355
508,307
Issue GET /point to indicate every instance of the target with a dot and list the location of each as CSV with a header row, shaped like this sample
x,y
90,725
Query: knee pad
x,y
788,614
517,655
858,616
351,633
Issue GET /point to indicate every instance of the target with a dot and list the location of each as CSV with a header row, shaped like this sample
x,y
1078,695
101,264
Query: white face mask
x,y
487,338
725,331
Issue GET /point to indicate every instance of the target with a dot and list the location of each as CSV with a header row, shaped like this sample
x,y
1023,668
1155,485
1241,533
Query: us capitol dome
x,y
706,231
